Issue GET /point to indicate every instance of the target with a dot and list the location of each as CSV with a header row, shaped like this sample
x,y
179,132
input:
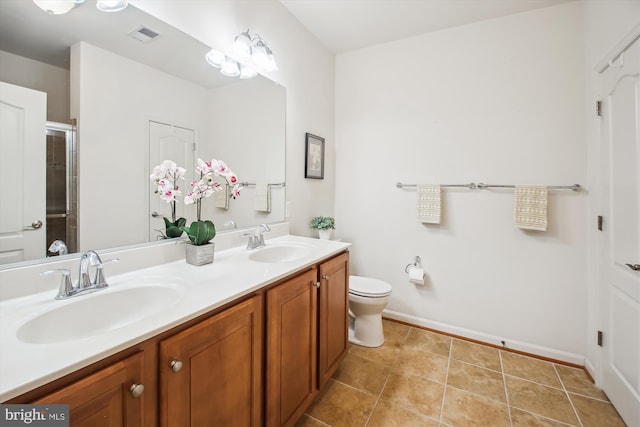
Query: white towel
x,y
531,207
263,198
222,197
429,205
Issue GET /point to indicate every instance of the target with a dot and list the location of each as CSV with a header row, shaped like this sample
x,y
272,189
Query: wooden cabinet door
x,y
333,326
291,373
211,373
104,398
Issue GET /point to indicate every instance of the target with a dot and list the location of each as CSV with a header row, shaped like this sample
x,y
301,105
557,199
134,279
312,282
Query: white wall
x,y
500,101
37,75
119,97
247,114
605,24
306,70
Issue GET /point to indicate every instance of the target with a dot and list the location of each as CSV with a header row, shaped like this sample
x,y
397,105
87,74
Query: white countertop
x,y
25,366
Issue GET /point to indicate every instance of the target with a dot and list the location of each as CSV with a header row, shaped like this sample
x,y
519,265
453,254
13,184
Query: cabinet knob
x,y
316,284
325,277
175,365
136,390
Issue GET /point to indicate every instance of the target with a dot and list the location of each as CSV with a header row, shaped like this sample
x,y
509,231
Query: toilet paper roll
x,y
416,275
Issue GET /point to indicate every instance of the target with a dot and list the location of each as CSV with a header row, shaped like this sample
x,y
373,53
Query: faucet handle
x,y
66,285
100,281
251,240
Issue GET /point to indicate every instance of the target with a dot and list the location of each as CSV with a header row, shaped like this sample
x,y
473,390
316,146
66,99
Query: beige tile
x,y
420,339
465,409
307,421
528,368
363,374
423,364
576,380
476,354
339,405
521,418
386,414
474,379
596,413
414,393
394,335
539,399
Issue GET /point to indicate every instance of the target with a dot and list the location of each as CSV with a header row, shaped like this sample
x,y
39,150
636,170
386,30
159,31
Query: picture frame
x,y
314,157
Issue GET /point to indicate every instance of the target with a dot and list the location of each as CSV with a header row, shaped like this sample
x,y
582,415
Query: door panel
x,y
23,116
168,142
620,241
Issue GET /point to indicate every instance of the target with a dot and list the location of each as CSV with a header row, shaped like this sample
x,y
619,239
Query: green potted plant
x,y
324,225
201,232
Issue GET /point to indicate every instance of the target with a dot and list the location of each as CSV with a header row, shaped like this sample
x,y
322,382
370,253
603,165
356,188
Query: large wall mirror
x,y
133,101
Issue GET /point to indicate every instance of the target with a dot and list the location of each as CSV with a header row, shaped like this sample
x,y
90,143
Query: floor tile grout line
x,y
446,381
506,392
575,411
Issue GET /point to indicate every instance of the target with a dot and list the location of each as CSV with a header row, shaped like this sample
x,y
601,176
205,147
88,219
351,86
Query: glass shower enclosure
x,y
62,184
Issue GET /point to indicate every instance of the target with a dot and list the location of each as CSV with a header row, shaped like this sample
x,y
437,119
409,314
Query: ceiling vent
x,y
144,34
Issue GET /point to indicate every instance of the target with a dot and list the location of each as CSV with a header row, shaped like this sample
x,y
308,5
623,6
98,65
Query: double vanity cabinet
x,y
256,361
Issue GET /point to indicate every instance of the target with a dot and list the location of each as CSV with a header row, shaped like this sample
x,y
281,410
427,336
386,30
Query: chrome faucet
x,y
85,284
59,247
256,240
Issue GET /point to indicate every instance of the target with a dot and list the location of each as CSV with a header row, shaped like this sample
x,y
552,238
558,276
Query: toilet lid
x,y
368,287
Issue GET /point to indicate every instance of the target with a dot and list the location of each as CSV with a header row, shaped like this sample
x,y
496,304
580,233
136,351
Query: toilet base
x,y
366,330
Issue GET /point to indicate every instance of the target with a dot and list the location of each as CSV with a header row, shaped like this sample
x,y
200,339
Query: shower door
x,y
619,243
61,185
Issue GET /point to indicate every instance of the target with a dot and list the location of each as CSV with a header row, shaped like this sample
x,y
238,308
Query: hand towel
x,y
222,197
429,205
531,207
263,198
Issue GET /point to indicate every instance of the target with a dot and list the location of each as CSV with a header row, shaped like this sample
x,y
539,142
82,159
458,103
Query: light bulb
x,y
215,58
247,72
112,5
57,7
242,45
230,68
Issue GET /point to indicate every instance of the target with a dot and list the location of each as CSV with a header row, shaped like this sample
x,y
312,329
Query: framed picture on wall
x,y
314,157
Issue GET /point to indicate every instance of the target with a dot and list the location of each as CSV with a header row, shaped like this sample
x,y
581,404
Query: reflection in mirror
x,y
136,103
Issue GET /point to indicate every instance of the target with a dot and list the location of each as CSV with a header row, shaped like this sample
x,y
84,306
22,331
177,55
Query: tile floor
x,y
421,378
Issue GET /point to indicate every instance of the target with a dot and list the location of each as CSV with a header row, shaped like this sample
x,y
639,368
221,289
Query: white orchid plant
x,y
166,176
200,232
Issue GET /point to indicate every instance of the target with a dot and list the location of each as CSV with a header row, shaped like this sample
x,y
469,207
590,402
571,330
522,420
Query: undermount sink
x,y
99,312
281,253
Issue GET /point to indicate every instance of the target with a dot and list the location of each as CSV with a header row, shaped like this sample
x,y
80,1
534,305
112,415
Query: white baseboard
x,y
533,349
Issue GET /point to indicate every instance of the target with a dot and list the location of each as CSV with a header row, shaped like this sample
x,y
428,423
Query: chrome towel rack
x,y
252,184
482,186
574,187
470,185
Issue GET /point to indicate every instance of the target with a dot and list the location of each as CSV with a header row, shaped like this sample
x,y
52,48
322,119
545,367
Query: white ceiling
x,y
344,25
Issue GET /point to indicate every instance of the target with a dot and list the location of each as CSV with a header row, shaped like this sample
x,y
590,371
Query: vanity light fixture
x,y
57,7
251,53
112,5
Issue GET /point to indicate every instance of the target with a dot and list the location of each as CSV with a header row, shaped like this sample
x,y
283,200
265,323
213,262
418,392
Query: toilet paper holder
x,y
416,263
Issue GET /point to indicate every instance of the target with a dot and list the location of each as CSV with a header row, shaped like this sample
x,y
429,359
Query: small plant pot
x,y
325,234
199,255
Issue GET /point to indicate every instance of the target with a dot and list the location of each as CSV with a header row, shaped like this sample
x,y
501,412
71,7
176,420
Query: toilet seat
x,y
368,287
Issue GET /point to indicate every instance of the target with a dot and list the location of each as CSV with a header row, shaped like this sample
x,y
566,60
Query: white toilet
x,y
367,298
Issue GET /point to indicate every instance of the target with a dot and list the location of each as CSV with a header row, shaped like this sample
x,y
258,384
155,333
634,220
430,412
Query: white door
x,y
23,118
619,279
167,142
